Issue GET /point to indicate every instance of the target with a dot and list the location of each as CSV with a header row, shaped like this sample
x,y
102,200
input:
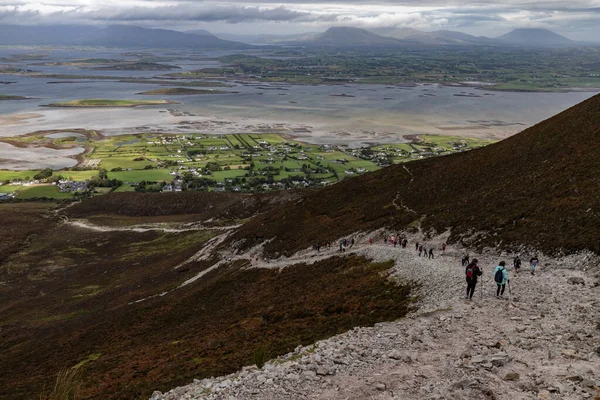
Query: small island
x,y
10,97
181,91
138,66
109,103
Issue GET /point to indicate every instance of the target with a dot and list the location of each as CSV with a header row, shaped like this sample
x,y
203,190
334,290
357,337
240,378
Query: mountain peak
x,y
535,37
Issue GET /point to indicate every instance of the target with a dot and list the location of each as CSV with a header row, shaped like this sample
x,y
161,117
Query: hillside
x,y
535,38
489,190
110,36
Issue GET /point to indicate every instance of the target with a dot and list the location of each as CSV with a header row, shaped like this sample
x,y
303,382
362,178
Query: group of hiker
x,y
473,272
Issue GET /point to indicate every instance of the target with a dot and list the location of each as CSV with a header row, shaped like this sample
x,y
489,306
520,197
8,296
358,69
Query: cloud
x,y
479,16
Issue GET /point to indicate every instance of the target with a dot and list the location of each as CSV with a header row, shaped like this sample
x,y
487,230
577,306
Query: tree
x,y
46,173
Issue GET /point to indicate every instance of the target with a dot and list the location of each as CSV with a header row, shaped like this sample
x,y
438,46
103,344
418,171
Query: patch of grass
x,y
66,387
90,358
262,354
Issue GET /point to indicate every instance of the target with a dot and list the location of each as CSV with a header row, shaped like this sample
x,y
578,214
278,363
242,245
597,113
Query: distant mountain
x,y
440,37
348,37
201,32
111,36
536,38
414,35
268,39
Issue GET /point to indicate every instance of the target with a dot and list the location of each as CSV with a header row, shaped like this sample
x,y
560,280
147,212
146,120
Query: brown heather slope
x,y
540,188
68,297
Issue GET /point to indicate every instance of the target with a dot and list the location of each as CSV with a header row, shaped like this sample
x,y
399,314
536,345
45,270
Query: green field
x,y
248,162
142,175
16,175
42,191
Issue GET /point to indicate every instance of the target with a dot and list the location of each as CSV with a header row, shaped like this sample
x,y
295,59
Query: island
x,y
182,91
109,103
138,66
10,97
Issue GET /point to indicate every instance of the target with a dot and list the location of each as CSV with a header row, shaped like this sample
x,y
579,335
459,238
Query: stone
x,y
309,374
588,383
574,280
575,378
322,371
395,355
478,359
156,395
511,376
544,395
380,386
569,353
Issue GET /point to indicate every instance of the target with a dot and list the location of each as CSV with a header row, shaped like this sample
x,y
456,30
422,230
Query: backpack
x,y
499,277
470,271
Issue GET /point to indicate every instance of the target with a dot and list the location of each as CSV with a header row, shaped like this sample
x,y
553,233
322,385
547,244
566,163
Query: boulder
x,y
575,280
511,376
381,387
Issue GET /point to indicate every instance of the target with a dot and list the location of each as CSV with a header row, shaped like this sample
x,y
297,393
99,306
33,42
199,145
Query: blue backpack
x,y
499,277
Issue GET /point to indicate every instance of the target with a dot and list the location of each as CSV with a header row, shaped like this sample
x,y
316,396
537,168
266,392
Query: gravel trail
x,y
541,342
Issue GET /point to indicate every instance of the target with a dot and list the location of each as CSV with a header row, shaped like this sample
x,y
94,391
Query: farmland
x,y
237,162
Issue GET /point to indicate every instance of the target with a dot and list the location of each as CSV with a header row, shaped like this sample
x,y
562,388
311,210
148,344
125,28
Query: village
x,y
247,163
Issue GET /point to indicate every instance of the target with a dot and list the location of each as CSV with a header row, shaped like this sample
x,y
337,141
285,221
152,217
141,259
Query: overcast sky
x,y
577,19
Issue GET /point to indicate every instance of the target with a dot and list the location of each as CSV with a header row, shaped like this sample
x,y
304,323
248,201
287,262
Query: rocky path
x,y
80,223
542,342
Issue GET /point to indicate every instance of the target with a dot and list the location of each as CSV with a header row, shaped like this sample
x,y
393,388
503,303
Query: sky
x,y
576,19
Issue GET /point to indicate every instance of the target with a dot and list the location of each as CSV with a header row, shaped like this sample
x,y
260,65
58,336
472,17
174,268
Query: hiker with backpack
x,y
431,252
472,272
501,278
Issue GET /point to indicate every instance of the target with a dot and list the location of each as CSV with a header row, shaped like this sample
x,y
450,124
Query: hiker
x,y
417,246
352,243
444,247
517,264
395,242
341,246
465,260
501,278
384,240
392,239
431,253
472,272
420,250
534,261
370,240
318,247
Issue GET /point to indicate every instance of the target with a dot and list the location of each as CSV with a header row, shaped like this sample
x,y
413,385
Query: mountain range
x,y
393,37
111,36
133,36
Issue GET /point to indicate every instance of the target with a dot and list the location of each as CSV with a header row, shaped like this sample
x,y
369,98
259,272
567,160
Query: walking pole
x,y
481,288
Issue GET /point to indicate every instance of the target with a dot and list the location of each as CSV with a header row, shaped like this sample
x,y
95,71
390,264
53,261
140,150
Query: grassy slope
x,y
539,187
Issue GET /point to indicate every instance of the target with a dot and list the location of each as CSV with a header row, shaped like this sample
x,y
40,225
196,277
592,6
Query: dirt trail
x,y
541,342
80,223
